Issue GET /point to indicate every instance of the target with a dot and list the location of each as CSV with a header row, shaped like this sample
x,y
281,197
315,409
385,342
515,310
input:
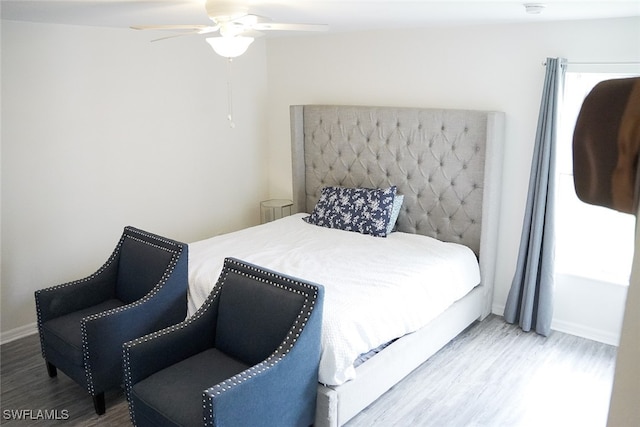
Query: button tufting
x,y
415,147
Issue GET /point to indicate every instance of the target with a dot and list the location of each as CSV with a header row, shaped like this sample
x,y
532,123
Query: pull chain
x,y
230,96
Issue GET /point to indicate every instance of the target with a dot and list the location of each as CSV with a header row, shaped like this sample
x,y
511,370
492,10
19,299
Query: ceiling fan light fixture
x,y
230,47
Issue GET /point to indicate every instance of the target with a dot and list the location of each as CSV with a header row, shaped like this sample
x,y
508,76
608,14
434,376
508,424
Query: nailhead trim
x,y
310,292
129,233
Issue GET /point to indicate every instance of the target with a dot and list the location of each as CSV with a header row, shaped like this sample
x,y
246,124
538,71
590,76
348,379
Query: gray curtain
x,y
530,301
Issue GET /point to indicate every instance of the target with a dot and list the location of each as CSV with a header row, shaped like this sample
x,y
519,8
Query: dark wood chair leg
x,y
98,403
51,370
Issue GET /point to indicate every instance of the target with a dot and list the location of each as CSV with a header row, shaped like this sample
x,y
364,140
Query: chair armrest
x,y
281,390
151,353
104,333
66,298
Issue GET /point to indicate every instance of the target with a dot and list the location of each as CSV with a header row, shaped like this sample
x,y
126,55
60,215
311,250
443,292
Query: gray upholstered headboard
x,y
447,164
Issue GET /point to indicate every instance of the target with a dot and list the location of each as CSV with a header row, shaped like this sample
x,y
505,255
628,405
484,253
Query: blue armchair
x,y
82,324
248,357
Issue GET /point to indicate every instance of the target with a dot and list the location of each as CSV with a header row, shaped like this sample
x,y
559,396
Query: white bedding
x,y
376,289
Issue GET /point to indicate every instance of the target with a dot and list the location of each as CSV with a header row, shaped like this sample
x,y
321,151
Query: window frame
x,y
579,230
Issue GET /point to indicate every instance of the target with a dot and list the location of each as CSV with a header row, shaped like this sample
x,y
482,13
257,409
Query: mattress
x,y
376,289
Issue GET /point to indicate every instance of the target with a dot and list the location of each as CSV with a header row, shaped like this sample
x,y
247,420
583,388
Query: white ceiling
x,y
340,15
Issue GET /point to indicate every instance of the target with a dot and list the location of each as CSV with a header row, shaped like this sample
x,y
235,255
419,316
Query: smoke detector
x,y
534,8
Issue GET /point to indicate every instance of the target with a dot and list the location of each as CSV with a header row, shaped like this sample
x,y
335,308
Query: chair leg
x,y
98,403
51,370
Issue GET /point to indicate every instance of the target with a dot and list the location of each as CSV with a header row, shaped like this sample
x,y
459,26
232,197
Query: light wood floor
x,y
492,375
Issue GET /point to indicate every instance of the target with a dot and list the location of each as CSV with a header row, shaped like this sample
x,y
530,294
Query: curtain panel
x,y
530,300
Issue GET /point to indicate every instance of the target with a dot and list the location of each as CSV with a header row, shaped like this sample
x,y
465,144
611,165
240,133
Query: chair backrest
x,y
143,260
256,312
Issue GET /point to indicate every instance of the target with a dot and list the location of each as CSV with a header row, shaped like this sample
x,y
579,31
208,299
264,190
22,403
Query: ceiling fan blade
x,y
185,30
186,27
173,36
271,26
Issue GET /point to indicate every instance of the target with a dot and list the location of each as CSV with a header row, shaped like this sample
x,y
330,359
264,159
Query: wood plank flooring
x,y
496,375
492,375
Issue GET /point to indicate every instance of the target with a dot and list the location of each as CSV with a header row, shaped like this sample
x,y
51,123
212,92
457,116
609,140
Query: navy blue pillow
x,y
362,210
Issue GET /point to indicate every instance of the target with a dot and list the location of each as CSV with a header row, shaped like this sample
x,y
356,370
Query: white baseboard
x,y
606,337
17,333
572,328
497,310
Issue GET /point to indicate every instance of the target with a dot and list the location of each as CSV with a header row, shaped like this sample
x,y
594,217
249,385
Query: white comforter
x,y
376,289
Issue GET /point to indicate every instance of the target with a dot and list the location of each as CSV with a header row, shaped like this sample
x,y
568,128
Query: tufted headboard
x,y
446,163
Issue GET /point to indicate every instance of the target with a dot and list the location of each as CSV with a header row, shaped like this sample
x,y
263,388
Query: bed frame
x,y
447,163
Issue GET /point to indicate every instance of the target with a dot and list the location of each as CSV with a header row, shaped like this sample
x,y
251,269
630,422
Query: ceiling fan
x,y
237,28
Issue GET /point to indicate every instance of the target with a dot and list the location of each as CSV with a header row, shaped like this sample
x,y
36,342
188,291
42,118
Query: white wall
x,y
589,308
483,67
103,129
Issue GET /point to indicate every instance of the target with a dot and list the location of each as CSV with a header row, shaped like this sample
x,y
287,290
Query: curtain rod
x,y
600,63
604,63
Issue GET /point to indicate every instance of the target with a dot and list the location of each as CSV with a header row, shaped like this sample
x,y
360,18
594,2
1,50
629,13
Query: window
x,y
591,241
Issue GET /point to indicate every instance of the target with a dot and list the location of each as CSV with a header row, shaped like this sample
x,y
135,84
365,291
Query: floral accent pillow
x,y
362,210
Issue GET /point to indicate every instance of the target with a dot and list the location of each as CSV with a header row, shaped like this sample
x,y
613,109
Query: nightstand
x,y
273,209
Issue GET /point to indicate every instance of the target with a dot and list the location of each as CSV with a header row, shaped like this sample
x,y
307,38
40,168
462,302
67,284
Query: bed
x,y
446,164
